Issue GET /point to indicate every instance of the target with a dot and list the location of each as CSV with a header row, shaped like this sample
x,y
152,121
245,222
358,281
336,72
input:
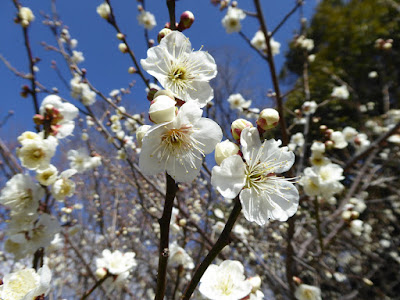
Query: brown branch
x,y
298,4
171,11
164,222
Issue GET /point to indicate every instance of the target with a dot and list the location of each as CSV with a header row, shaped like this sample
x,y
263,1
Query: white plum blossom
x,y
297,140
81,161
340,92
77,57
26,16
303,42
22,195
36,153
82,91
338,139
104,10
47,176
263,195
179,69
179,257
68,112
259,42
179,146
116,262
26,284
40,234
63,186
307,292
147,19
323,180
237,101
225,282
309,107
232,19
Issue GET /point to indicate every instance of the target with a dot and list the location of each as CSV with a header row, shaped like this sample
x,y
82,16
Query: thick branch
x,y
164,222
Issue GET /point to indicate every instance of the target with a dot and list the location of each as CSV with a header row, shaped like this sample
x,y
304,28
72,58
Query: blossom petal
x,y
156,63
176,43
283,158
149,159
278,205
250,141
184,169
189,113
208,133
202,93
207,68
229,178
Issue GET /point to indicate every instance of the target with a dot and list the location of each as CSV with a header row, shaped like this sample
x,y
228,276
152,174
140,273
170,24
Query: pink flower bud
x,y
268,118
187,19
237,127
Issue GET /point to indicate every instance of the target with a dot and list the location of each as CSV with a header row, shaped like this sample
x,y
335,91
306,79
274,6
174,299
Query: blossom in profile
x,y
232,19
237,101
26,16
63,124
104,10
340,92
259,42
26,284
179,69
179,257
179,146
116,262
263,195
225,282
307,292
147,19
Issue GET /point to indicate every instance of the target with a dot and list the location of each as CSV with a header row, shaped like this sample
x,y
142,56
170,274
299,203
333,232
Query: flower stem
x,y
164,222
223,241
96,285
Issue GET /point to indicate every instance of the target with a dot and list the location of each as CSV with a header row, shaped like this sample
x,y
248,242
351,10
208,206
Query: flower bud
x,y
140,133
131,70
187,19
268,118
237,127
104,10
224,150
162,109
163,33
101,273
120,36
123,47
255,283
26,16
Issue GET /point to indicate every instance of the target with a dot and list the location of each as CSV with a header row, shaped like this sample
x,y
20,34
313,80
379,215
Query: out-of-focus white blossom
x,y
307,292
340,92
26,284
179,257
116,262
104,10
26,16
64,187
232,19
47,176
147,19
237,101
81,161
259,42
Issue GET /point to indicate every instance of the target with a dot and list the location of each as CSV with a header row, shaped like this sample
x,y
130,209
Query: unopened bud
x,y
268,119
123,47
329,144
101,273
237,127
255,283
38,119
163,32
162,109
120,36
140,133
131,70
224,150
187,19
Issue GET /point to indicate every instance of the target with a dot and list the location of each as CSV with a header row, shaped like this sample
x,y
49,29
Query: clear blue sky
x,y
107,67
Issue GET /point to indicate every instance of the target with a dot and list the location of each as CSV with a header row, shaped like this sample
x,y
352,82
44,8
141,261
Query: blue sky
x,y
107,67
